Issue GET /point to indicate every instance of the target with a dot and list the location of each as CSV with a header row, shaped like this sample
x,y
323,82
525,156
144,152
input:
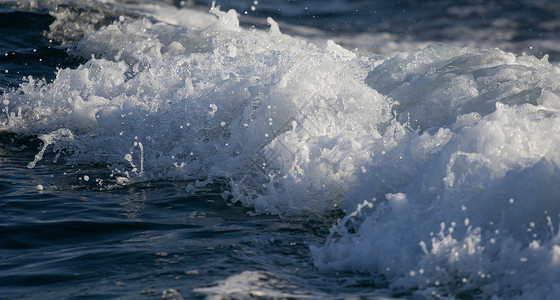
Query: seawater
x,y
176,150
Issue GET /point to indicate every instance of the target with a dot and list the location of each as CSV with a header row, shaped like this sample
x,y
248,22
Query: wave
x,y
444,159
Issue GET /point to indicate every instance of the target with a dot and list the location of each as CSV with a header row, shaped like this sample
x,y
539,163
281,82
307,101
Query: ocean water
x,y
279,149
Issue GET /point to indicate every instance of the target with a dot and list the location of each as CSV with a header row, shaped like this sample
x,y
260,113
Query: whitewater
x,y
438,167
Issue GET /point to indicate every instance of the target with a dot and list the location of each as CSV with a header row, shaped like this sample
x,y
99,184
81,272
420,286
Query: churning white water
x,y
443,159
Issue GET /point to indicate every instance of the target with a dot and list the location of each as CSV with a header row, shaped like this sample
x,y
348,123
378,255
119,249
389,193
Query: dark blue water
x,y
69,241
26,51
61,237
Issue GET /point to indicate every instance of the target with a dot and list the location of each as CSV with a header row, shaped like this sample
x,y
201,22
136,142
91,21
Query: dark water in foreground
x,y
67,240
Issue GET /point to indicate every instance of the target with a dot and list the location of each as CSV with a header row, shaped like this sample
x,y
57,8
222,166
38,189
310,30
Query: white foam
x,y
480,215
431,145
249,284
217,102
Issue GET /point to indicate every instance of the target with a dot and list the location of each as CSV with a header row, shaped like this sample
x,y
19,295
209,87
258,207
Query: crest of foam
x,y
480,214
286,122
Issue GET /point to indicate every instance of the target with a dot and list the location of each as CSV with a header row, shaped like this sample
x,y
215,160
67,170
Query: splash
x,y
257,108
479,217
450,154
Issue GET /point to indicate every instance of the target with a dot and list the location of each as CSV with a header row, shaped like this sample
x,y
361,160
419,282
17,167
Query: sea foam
x,y
286,122
444,159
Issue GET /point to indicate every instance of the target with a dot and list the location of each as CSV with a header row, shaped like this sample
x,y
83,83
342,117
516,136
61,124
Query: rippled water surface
x,y
62,238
